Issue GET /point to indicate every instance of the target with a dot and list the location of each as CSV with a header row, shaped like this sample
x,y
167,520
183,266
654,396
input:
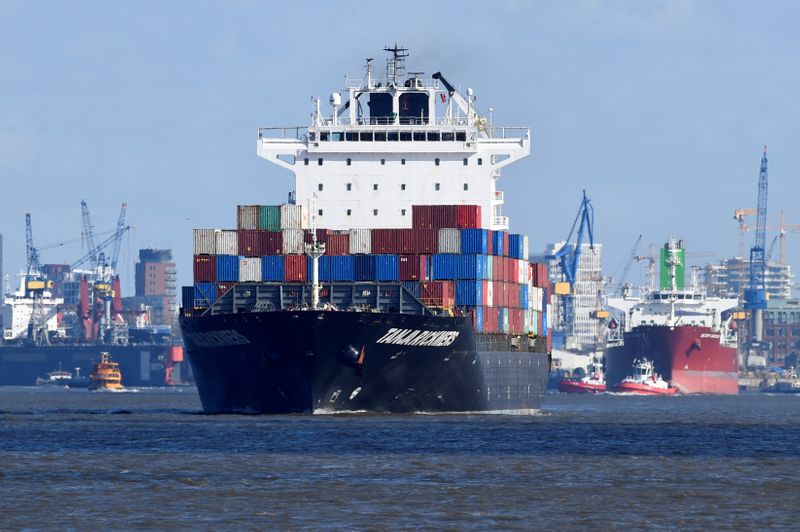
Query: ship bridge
x,y
393,143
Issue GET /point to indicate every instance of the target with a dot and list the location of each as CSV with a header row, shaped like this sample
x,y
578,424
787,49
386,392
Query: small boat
x,y
106,374
644,381
594,382
56,377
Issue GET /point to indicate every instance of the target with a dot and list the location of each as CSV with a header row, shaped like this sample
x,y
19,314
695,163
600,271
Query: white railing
x,y
389,132
501,222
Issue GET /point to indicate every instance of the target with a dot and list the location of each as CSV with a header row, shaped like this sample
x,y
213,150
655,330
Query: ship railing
x,y
448,129
288,133
500,222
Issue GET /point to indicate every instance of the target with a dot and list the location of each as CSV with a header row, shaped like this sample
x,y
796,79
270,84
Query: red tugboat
x,y
688,337
644,381
593,382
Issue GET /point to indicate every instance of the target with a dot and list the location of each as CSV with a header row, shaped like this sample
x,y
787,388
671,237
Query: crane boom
x,y
88,234
32,254
757,252
118,237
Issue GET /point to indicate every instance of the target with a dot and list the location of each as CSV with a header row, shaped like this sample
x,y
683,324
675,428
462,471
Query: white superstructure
x,y
393,143
21,310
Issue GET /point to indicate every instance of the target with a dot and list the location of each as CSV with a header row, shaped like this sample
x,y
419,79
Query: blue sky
x,y
659,109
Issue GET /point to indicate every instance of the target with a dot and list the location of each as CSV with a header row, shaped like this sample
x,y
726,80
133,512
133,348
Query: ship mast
x,y
314,250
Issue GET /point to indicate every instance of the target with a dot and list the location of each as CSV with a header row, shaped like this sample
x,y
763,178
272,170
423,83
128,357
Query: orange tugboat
x,y
106,374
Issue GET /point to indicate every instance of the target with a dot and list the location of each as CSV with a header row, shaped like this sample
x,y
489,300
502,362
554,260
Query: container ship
x,y
389,282
690,339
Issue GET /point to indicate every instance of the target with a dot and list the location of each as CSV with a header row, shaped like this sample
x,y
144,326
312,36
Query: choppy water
x,y
75,459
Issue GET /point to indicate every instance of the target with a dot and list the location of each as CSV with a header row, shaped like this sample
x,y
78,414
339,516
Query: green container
x,y
680,269
269,217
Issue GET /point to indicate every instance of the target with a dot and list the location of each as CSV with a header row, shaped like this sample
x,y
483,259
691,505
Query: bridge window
x,y
405,135
392,136
319,161
466,161
419,136
461,136
434,136
365,136
305,161
436,161
383,162
403,161
480,161
349,161
351,135
448,136
380,136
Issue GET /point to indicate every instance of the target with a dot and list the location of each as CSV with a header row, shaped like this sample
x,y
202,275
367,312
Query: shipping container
x,y
338,244
449,241
205,268
227,242
474,241
470,266
443,216
488,295
516,246
425,241
227,267
295,269
469,293
422,217
364,268
437,294
322,236
222,288
386,268
272,242
205,242
413,267
477,319
360,242
251,242
204,294
249,269
342,268
247,216
323,269
272,268
293,242
467,216
269,217
498,242
293,217
403,241
383,241
444,266
489,242
503,325
187,297
524,296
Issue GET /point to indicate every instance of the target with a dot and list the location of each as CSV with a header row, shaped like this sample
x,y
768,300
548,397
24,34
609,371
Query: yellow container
x,y
562,289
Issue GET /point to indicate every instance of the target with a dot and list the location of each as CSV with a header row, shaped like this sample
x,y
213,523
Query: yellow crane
x,y
740,214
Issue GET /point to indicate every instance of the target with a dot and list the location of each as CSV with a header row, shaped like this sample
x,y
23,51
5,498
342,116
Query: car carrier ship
x,y
413,298
690,338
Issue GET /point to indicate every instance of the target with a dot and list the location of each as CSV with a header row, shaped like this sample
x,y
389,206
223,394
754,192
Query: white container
x,y
489,293
489,268
247,216
449,241
249,269
293,242
293,217
227,242
522,271
205,242
525,254
360,241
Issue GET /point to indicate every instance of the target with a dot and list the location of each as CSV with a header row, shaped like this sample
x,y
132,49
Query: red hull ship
x,y
689,338
576,386
690,358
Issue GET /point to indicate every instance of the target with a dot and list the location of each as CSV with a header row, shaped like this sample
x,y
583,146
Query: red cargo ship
x,y
690,338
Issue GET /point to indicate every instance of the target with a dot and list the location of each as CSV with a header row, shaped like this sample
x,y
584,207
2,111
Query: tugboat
x,y
106,374
56,377
593,382
644,381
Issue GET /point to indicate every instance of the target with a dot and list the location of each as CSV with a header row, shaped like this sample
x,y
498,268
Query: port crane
x,y
35,285
568,258
755,295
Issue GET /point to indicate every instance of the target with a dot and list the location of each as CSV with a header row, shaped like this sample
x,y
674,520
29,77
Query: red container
x,y
437,293
467,216
485,293
403,241
338,244
322,236
505,243
223,287
205,268
425,240
508,269
489,242
295,268
272,242
422,216
251,243
413,267
444,216
383,241
497,268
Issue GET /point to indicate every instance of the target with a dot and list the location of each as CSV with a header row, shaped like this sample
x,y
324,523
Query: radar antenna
x,y
395,65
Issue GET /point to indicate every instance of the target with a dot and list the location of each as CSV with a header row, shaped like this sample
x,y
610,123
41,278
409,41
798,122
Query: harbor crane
x,y
756,295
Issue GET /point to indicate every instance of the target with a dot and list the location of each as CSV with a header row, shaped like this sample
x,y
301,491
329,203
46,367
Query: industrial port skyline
x,y
658,110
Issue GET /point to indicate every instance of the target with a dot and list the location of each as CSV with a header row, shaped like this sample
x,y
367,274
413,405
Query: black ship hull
x,y
318,361
141,365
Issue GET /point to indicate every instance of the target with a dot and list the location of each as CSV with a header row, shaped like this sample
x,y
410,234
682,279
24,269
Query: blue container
x,y
523,296
543,332
342,268
471,266
324,269
469,293
445,267
474,241
387,268
412,287
502,324
477,323
187,297
204,294
544,299
364,267
272,268
516,246
497,243
228,268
